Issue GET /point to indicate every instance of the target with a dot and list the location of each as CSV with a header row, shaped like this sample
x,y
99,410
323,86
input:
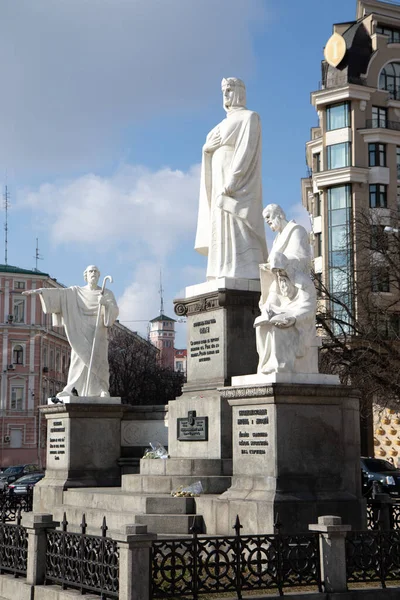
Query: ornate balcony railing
x,y
215,565
85,562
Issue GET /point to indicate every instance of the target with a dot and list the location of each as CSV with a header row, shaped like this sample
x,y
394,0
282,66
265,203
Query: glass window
x,y
18,355
317,205
317,162
318,244
380,280
377,195
17,397
379,116
52,360
58,362
393,34
19,310
389,80
339,155
379,239
338,116
377,155
19,285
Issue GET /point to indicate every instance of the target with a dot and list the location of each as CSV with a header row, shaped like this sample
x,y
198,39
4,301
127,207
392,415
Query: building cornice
x,y
380,134
341,176
339,94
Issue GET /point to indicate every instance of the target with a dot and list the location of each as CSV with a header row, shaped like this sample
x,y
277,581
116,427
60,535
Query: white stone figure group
x,y
86,314
285,330
230,229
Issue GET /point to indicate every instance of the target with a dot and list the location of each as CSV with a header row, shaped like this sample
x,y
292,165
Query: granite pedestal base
x,y
83,447
296,452
221,340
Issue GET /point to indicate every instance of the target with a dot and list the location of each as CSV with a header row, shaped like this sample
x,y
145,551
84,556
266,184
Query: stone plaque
x,y
205,348
56,443
252,439
192,428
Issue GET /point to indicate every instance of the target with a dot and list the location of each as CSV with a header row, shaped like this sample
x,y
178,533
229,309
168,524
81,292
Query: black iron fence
x,y
213,565
10,504
13,547
373,556
85,562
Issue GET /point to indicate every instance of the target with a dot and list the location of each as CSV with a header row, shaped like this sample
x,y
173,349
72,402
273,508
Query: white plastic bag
x,y
190,491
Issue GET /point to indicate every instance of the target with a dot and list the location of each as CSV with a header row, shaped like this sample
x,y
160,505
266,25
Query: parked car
x,y
13,473
24,484
386,476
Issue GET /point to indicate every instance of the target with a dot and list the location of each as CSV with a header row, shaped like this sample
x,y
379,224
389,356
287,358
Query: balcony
x,y
382,124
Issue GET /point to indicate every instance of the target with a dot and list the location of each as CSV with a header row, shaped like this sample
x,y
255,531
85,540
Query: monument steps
x,y
164,484
162,514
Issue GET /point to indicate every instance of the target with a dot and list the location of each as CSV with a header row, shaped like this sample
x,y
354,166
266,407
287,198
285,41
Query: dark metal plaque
x,y
192,428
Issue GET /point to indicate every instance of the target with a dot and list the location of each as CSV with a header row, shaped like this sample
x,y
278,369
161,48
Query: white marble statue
x,y
291,239
77,309
230,229
285,330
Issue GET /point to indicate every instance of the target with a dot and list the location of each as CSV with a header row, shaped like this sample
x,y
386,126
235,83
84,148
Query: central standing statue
x,y
230,229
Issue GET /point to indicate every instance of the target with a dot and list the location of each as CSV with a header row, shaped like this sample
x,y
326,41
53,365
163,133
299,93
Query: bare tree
x,y
360,318
135,374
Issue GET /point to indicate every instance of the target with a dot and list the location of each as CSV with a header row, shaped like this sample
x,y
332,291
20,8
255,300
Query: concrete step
x,y
116,499
116,521
164,484
170,524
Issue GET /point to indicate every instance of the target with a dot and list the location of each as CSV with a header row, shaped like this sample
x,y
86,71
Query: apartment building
x,y
34,364
353,159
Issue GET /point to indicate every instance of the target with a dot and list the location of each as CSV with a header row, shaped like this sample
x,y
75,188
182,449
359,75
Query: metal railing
x,y
13,547
9,505
373,556
382,123
214,565
80,561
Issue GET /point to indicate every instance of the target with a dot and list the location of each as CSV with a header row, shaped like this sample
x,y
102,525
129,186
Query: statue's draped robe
x,y
230,228
294,243
76,309
279,350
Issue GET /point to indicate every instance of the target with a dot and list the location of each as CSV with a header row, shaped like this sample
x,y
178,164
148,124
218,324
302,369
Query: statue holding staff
x,y
86,314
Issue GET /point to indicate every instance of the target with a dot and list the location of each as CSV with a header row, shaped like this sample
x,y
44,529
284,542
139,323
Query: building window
x,y
45,357
377,195
339,155
52,360
19,310
318,244
380,281
379,117
318,283
18,355
379,239
389,80
338,116
19,285
393,34
340,253
17,397
317,162
377,155
58,362
179,366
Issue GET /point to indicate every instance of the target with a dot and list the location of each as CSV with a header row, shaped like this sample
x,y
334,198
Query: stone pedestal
x,y
83,447
296,454
221,339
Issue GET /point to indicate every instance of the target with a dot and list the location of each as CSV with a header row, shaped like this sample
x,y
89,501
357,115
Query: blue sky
x,y
105,106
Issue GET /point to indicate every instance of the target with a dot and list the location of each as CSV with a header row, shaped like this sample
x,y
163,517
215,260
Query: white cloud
x,y
149,211
78,72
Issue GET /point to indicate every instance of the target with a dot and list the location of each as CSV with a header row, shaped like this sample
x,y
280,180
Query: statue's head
x,y
91,274
284,272
274,216
233,93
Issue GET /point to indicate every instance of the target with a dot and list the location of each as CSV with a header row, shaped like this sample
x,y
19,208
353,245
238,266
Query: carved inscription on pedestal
x,y
56,443
252,427
207,344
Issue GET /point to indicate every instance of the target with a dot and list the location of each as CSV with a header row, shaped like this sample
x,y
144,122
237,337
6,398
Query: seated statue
x,y
285,330
291,239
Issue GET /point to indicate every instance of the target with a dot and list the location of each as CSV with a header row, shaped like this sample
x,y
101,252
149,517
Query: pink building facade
x,y
162,336
34,359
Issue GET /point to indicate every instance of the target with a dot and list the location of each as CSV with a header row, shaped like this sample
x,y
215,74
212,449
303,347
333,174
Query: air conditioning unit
x,y
11,367
6,439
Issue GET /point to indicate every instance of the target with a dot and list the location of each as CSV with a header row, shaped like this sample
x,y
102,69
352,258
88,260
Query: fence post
x,y
36,525
134,545
383,504
332,552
